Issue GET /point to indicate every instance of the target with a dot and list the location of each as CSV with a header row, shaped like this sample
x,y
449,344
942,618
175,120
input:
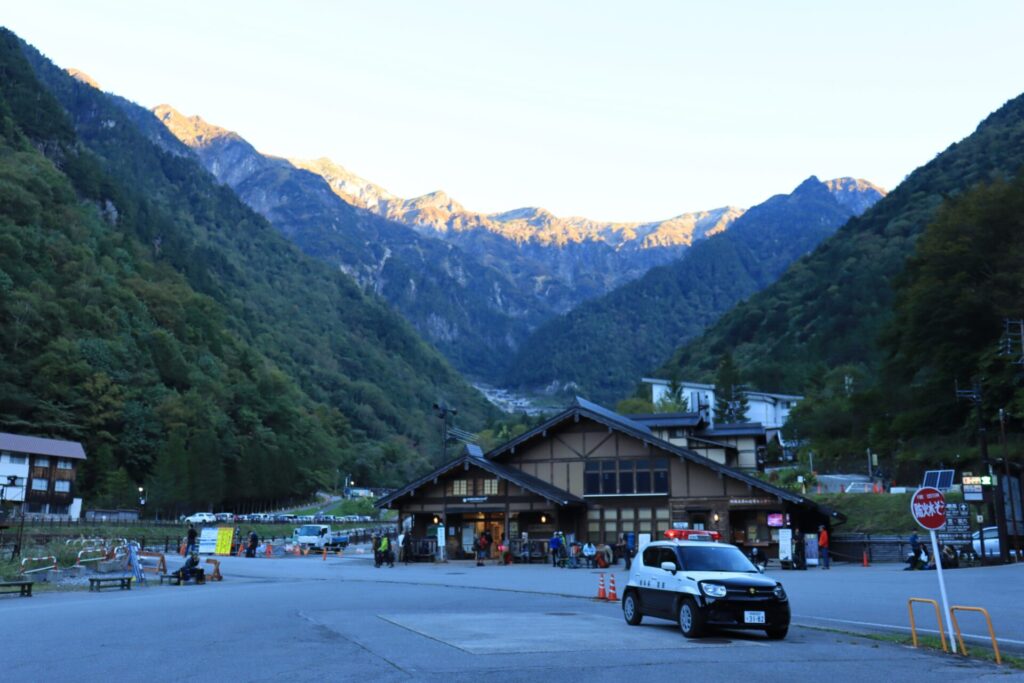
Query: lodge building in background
x,y
43,472
597,474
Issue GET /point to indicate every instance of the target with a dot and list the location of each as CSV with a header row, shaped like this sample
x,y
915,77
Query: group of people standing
x,y
571,554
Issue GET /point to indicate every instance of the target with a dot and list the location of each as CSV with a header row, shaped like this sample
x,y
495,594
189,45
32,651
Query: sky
x,y
613,111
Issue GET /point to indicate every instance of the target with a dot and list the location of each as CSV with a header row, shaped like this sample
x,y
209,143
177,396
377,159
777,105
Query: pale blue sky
x,y
619,111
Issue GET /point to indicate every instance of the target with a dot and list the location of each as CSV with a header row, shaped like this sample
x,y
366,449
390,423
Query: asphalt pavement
x,y
342,619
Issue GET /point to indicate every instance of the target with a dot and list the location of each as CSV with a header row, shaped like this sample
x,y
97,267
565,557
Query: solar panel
x,y
939,479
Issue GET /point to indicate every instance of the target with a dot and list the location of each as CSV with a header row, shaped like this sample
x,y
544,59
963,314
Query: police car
x,y
703,584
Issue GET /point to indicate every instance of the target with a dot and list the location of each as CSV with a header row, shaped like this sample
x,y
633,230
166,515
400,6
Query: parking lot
x,y
341,618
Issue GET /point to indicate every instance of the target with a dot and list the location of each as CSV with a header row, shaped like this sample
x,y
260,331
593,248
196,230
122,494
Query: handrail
x,y
988,620
938,616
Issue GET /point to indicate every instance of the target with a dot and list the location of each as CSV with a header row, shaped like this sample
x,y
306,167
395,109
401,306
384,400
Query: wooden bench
x,y
23,588
174,579
97,583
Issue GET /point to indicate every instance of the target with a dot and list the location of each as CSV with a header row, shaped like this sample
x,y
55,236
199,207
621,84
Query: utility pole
x,y
1009,482
443,412
996,505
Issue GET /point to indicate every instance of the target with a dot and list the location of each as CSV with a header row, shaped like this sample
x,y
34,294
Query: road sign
x,y
958,524
928,507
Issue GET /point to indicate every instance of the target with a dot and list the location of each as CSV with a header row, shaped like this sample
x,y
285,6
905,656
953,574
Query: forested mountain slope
x,y
153,316
828,308
605,345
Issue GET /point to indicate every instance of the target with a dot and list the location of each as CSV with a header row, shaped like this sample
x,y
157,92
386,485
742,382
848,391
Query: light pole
x,y
443,412
142,500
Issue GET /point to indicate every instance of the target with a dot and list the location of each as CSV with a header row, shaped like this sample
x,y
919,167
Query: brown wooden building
x,y
596,474
44,471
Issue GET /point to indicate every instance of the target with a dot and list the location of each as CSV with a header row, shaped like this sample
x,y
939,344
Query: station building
x,y
596,474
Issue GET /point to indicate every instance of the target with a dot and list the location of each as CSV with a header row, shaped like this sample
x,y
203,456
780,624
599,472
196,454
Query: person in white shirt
x,y
589,553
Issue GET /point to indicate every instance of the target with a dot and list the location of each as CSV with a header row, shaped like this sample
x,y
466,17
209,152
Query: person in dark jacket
x,y
191,546
254,541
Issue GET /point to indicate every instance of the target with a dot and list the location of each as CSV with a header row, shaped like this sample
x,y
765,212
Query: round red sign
x,y
928,507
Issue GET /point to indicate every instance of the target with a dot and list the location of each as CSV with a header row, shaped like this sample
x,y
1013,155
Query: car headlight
x,y
713,590
779,592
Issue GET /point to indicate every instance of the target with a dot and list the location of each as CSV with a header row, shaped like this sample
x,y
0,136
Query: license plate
x,y
753,617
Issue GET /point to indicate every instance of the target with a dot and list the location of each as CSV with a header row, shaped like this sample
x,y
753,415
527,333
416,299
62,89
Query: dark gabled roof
x,y
734,429
526,481
668,419
584,408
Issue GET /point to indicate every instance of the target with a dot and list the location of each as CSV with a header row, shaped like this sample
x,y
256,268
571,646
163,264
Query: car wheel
x,y
631,609
691,618
777,633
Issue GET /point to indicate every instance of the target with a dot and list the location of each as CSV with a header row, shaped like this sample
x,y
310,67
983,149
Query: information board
x,y
958,524
225,535
208,540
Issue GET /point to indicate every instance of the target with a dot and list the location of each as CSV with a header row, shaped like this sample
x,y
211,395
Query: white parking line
x,y
970,636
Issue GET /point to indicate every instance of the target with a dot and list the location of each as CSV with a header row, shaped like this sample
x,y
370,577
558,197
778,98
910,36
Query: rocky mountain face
x,y
561,261
605,345
471,312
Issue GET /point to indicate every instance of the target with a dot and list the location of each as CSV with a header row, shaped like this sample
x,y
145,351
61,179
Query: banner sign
x,y
208,540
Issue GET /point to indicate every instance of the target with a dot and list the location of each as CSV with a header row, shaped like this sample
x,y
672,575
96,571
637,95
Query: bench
x,y
171,579
97,583
23,588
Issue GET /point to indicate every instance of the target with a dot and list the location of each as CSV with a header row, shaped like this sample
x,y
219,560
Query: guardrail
x,y
988,620
51,564
938,617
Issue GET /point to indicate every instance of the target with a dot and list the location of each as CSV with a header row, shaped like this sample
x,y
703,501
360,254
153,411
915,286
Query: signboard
x,y
958,524
225,535
928,507
208,540
776,519
785,545
475,499
974,487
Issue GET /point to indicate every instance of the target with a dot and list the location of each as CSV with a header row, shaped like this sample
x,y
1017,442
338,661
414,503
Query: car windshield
x,y
309,530
715,558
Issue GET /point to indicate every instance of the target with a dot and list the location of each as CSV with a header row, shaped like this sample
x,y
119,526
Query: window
x,y
63,464
42,461
625,477
592,478
62,486
40,484
16,459
458,487
608,476
651,556
490,487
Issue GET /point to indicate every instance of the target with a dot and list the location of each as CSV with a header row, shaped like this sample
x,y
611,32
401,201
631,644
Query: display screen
x,y
776,519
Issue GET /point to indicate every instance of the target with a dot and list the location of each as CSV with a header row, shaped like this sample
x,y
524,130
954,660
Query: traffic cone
x,y
612,597
241,549
864,560
270,550
600,587
181,550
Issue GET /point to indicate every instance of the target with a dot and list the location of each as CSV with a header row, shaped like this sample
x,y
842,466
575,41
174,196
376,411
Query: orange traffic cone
x,y
181,550
270,551
241,549
600,587
612,597
864,559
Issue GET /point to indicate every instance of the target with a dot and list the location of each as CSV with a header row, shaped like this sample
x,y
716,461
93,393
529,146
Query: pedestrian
x,y
915,552
823,546
407,547
385,551
555,546
481,549
191,546
254,541
375,544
